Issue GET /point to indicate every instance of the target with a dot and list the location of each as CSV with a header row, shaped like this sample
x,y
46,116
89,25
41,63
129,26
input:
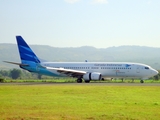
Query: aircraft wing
x,y
68,72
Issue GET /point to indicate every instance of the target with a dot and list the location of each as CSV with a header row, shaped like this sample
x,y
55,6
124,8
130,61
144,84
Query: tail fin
x,y
26,53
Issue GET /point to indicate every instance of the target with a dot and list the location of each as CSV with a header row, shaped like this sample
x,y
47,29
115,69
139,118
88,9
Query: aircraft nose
x,y
155,72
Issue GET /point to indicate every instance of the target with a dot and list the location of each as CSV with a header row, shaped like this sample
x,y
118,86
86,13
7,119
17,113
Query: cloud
x,y
100,1
71,1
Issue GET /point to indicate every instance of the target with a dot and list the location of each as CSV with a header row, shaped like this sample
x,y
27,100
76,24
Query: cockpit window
x,y
146,67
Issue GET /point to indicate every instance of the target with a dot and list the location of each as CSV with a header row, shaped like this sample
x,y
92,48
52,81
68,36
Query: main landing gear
x,y
87,81
141,81
79,80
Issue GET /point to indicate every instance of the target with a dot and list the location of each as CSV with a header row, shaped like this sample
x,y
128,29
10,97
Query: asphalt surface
x,y
85,84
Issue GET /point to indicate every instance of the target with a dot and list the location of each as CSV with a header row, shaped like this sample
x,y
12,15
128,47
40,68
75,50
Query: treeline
x,y
23,74
157,77
18,74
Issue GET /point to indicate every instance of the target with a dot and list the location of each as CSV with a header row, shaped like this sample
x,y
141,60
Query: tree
x,y
1,78
4,73
156,77
39,76
15,73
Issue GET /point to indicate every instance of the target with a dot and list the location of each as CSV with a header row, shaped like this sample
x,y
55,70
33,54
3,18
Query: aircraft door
x,y
138,69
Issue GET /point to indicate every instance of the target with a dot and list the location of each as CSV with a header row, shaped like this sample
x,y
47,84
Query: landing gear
x,y
141,81
79,80
122,79
102,79
87,81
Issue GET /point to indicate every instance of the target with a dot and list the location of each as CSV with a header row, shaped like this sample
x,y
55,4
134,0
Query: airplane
x,y
86,71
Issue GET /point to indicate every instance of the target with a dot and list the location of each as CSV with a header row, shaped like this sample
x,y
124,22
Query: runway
x,y
79,84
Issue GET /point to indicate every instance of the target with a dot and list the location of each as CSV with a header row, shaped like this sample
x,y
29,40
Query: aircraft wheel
x,y
79,80
142,81
87,81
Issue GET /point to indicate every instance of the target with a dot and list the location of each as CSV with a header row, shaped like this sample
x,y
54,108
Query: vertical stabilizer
x,y
25,52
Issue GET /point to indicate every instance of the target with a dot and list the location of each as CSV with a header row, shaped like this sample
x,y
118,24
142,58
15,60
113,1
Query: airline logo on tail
x,y
26,54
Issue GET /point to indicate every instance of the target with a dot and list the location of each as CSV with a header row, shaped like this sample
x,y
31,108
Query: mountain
x,y
142,54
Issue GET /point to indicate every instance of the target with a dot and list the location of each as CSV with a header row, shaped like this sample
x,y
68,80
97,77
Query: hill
x,y
142,54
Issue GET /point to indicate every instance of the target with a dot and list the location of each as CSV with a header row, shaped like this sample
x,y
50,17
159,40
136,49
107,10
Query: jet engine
x,y
92,76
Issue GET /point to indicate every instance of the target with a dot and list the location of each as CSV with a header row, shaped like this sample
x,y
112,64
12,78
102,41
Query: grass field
x,y
81,101
73,80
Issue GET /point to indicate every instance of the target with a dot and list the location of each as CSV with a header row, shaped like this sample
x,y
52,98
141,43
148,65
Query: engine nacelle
x,y
92,76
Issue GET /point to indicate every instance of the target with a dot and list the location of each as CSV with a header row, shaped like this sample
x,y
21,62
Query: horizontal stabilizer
x,y
16,63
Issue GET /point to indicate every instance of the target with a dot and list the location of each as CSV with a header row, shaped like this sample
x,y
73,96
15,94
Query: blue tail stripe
x,y
28,49
26,53
28,58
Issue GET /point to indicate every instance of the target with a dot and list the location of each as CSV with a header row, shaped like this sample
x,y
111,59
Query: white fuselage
x,y
107,69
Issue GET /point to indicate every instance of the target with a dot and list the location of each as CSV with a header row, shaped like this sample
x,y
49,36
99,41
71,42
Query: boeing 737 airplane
x,y
81,70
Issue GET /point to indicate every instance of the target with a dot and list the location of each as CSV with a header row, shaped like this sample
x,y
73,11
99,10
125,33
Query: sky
x,y
76,23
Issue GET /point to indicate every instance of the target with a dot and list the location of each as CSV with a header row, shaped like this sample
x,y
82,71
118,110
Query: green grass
x,y
81,101
73,80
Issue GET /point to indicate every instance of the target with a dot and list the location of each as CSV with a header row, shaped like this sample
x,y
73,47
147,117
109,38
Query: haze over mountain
x,y
142,54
